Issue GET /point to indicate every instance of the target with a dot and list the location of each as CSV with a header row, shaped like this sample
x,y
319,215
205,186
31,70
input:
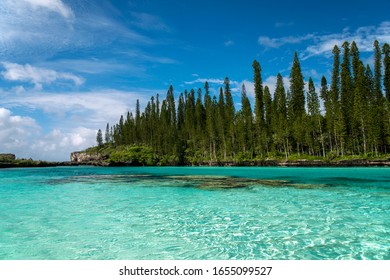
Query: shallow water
x,y
195,213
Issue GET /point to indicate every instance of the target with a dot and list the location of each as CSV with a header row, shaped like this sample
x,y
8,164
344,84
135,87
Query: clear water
x,y
145,213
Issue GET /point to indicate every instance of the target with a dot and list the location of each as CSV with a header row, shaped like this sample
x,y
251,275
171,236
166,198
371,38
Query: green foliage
x,y
133,155
286,124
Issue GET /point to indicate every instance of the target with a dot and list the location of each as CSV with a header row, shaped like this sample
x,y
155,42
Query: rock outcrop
x,y
85,158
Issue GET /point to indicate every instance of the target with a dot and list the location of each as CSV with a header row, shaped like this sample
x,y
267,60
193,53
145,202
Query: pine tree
x,y
210,122
379,100
354,52
336,123
346,98
386,86
325,96
99,138
361,106
314,114
259,108
297,103
107,136
386,66
268,118
229,118
281,135
137,122
247,118
220,124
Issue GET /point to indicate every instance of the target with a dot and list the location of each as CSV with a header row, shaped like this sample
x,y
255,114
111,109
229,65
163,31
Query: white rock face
x,y
83,157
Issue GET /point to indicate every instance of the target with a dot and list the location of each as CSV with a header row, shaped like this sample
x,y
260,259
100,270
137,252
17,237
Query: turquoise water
x,y
174,213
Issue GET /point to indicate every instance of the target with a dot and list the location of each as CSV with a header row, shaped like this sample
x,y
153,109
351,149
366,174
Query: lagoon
x,y
194,213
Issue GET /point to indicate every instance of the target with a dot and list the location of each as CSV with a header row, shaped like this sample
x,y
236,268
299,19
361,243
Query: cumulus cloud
x,y
58,144
22,136
53,5
67,121
15,131
37,76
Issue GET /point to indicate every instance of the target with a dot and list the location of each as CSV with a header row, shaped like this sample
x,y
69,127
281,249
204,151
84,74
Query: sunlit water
x,y
145,213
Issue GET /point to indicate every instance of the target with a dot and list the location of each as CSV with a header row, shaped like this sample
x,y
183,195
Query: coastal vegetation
x,y
348,117
10,160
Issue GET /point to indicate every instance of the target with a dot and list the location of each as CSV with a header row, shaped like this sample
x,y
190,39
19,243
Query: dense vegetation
x,y
199,127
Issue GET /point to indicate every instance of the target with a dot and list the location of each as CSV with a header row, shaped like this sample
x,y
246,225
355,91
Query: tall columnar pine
x,y
297,104
346,99
247,124
259,108
200,120
267,119
354,52
336,118
386,66
386,86
279,124
229,118
361,108
316,138
137,122
379,99
221,126
107,136
210,122
328,129
99,138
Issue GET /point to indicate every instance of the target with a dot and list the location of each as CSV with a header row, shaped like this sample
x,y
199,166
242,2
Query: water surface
x,y
194,213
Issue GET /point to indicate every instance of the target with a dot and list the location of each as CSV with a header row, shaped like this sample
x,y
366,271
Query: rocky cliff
x,y
87,158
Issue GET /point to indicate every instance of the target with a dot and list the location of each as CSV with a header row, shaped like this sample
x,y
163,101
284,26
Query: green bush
x,y
134,155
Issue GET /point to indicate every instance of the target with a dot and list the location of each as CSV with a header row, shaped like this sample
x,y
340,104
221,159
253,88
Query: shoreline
x,y
258,163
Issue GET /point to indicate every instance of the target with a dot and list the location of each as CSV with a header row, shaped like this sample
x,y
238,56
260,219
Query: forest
x,y
198,127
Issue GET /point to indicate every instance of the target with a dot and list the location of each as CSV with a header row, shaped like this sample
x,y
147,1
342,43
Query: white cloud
x,y
15,131
93,109
33,29
202,80
278,42
322,44
52,5
37,76
229,43
149,22
269,42
67,122
211,81
58,144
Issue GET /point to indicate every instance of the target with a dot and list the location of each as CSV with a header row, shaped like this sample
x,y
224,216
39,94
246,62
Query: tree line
x,y
201,127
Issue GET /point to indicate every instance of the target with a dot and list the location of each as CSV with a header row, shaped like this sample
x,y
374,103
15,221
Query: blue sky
x,y
67,67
